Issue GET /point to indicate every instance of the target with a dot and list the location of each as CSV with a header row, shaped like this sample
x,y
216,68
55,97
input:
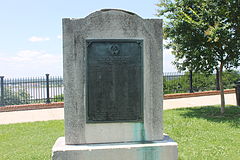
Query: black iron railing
x,y
15,91
47,89
196,82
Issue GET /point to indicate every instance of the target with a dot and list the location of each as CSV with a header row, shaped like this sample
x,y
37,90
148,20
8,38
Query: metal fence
x,y
15,91
197,82
47,89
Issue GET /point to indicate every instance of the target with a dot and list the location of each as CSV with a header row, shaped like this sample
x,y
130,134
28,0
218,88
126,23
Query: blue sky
x,y
30,41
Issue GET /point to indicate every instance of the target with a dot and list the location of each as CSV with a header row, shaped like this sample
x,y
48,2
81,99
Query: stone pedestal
x,y
165,149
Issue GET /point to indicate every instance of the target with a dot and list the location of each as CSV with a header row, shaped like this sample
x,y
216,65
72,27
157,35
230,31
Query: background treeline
x,y
180,83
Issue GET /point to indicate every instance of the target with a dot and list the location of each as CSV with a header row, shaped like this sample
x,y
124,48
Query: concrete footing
x,y
165,149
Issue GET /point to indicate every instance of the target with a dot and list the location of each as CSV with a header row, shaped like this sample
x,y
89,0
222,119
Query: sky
x,y
31,32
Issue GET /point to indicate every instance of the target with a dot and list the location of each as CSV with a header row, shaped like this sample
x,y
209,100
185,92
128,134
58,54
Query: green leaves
x,y
202,33
12,97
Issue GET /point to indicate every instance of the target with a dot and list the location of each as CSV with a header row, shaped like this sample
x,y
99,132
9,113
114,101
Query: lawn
x,y
201,133
29,141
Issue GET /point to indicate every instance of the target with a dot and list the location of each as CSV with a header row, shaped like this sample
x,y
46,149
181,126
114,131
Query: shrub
x,y
15,97
58,98
201,82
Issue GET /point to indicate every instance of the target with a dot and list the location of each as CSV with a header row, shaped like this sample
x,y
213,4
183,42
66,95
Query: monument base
x,y
165,149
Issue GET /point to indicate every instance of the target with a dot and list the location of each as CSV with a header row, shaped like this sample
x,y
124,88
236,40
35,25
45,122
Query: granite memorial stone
x,y
113,90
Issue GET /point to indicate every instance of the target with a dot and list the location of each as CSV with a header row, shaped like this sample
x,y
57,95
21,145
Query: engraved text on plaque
x,y
115,80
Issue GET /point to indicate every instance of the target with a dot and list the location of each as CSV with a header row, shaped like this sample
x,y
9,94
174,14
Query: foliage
x,y
230,78
177,84
204,34
58,98
201,82
15,97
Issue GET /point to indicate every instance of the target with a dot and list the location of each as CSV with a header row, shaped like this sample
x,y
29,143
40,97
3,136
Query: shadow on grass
x,y
212,113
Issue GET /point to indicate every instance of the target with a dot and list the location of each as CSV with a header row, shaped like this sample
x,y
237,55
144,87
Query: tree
x,y
204,35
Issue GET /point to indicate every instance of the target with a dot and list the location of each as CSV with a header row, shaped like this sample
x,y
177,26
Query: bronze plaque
x,y
115,80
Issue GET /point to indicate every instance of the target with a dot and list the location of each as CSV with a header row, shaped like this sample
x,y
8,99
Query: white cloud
x,y
30,56
31,63
34,63
59,36
165,41
38,39
168,59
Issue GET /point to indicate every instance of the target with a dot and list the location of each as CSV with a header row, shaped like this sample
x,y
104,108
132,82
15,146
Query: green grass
x,y
201,133
29,141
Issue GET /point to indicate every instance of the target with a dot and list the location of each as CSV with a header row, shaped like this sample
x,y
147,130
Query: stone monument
x,y
113,89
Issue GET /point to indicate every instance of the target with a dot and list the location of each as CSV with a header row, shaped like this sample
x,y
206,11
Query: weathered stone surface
x,y
113,89
165,149
111,24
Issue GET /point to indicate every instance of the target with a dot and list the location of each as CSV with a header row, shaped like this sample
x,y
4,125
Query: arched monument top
x,y
112,11
118,10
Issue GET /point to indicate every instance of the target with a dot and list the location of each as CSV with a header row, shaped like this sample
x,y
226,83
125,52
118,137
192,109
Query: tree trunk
x,y
217,79
221,88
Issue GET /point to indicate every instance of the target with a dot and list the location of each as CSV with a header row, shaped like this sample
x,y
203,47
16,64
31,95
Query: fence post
x,y
2,91
191,81
47,83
